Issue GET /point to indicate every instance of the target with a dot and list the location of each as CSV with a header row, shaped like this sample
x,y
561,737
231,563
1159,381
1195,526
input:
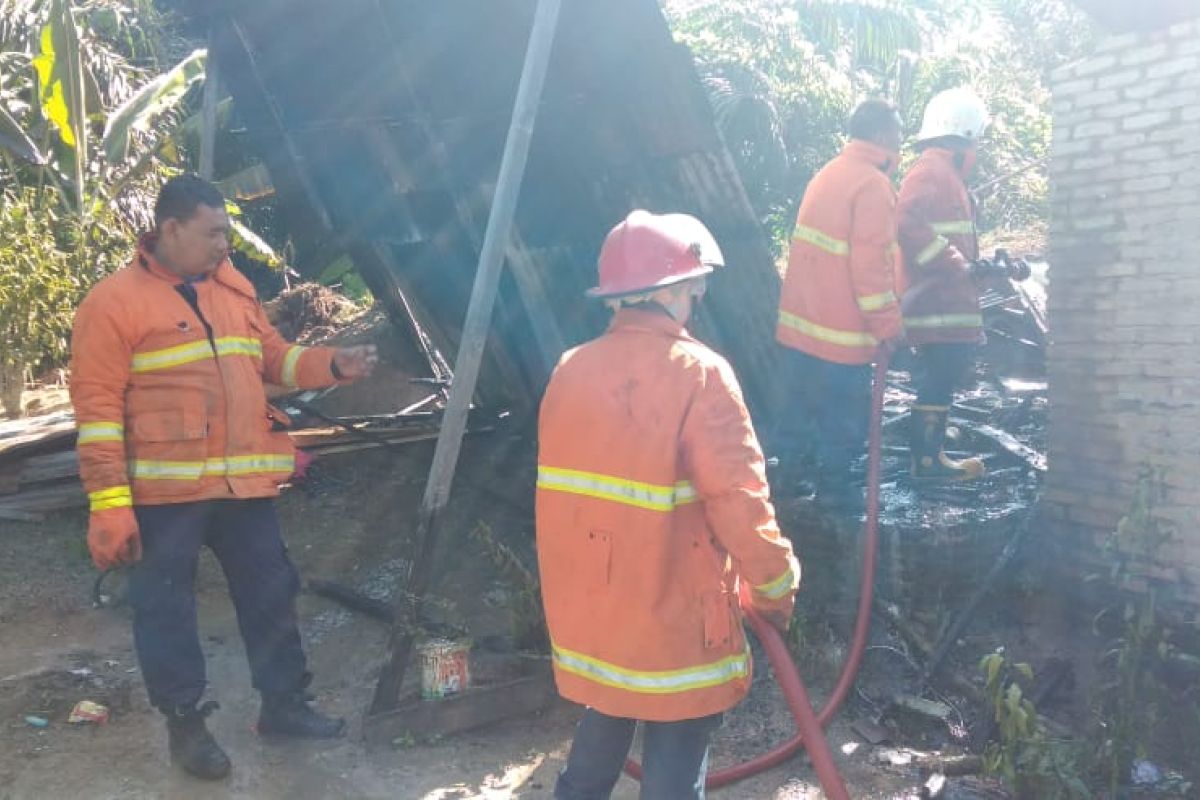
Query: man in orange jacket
x,y
176,451
941,304
652,505
839,301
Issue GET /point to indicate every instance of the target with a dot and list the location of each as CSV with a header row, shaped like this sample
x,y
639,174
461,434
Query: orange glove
x,y
113,537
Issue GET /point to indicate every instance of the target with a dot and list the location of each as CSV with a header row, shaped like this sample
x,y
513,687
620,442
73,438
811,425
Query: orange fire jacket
x,y
937,235
652,501
839,294
169,399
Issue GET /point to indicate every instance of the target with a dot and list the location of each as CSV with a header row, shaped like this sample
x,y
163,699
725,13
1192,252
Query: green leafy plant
x,y
1030,762
1133,703
46,265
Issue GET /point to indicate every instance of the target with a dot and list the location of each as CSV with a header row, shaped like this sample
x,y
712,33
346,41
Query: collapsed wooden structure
x,y
382,126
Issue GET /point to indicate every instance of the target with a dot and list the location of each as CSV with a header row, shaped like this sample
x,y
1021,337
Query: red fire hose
x,y
809,725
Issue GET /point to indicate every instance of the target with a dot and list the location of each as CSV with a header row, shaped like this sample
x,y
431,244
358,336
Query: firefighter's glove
x,y
983,268
113,537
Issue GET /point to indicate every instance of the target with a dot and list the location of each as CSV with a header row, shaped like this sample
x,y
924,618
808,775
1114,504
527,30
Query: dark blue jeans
x,y
674,757
244,535
829,403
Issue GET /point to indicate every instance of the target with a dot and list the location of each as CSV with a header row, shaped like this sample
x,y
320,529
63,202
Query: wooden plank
x,y
428,719
51,498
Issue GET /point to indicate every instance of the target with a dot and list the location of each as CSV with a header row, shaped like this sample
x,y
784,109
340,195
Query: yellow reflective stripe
x,y
844,338
821,240
945,321
650,496
685,493
932,250
196,351
239,346
172,356
954,227
674,681
780,587
249,465
93,432
233,466
288,373
874,302
113,497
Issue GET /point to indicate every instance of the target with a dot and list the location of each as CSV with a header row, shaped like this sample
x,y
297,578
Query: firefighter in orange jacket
x,y
941,304
176,451
652,504
839,301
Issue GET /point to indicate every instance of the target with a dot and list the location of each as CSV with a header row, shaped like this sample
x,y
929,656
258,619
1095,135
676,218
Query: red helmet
x,y
649,251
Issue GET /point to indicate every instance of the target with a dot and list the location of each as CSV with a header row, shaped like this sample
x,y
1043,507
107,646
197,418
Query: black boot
x,y
926,435
192,747
289,714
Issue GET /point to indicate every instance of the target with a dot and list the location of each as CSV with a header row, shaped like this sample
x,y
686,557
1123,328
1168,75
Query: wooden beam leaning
x,y
470,354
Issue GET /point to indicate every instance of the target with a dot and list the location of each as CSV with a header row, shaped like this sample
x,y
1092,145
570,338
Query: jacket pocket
x,y
170,425
718,620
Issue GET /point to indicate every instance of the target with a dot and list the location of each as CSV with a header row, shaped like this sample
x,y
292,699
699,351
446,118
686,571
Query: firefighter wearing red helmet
x,y
652,505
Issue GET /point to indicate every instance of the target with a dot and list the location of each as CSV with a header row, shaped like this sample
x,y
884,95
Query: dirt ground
x,y
351,525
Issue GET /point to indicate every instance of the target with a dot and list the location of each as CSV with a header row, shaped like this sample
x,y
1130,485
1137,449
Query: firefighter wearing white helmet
x,y
955,112
941,310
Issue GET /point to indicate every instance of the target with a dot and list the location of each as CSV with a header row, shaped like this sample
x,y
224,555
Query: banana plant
x,y
143,127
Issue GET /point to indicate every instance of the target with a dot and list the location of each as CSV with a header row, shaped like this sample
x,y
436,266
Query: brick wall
x,y
1125,293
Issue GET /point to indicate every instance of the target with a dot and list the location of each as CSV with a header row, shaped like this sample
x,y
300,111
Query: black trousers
x,y
833,401
674,757
940,371
245,537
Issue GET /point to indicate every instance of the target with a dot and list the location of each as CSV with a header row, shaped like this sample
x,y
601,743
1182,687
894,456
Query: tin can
x,y
445,668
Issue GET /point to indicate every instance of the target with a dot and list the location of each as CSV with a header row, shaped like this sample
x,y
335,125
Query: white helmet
x,y
954,112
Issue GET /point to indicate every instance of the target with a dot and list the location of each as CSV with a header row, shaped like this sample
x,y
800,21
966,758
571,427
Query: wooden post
x,y
208,115
470,352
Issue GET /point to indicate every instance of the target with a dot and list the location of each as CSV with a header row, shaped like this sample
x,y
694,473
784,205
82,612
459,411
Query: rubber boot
x,y
289,714
192,747
925,446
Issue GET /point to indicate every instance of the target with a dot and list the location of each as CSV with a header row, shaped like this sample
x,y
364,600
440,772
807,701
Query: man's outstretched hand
x,y
354,363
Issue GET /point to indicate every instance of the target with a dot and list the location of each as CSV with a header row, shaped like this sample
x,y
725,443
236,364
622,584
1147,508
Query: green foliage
x,y
783,76
47,264
1028,761
1132,702
149,102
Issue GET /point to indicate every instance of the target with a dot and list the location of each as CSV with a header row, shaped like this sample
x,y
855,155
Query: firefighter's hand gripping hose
x,y
809,725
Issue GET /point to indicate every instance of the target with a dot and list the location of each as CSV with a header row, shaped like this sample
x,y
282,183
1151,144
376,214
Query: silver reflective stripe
x,y
288,371
777,588
843,338
875,302
932,250
654,497
95,432
716,673
957,227
945,321
821,240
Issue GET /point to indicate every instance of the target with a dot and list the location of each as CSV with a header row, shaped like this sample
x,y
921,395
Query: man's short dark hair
x,y
871,118
182,195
